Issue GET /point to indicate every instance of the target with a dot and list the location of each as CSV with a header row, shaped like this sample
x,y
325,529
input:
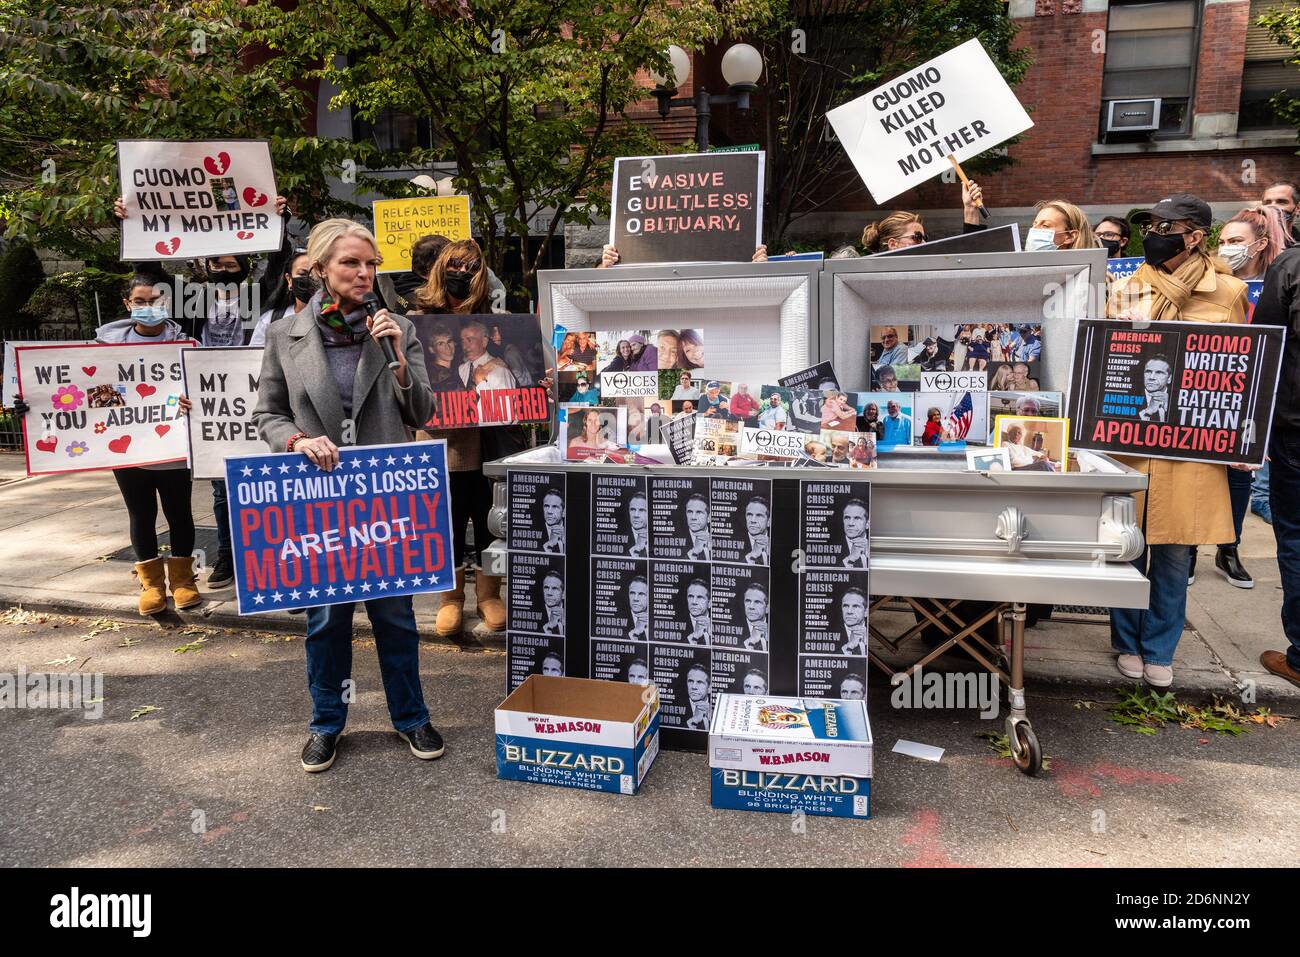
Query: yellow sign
x,y
400,222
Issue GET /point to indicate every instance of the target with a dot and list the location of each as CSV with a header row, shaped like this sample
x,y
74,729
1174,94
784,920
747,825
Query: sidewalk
x,y
64,547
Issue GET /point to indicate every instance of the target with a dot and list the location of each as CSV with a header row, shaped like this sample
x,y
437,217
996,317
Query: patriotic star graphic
x,y
246,471
258,599
276,597
312,593
284,468
365,586
331,591
295,594
383,586
302,466
424,456
265,470
348,589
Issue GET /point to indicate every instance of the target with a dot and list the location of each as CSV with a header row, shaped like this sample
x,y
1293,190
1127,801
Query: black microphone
x,y
373,305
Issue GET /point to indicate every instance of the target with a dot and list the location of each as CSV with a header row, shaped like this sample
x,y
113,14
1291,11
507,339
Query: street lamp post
x,y
742,65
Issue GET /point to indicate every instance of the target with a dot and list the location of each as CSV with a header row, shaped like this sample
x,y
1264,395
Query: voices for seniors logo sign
x,y
1193,391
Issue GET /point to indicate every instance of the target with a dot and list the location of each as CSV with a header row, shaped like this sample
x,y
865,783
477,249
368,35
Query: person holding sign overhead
x,y
1186,503
609,256
900,229
324,383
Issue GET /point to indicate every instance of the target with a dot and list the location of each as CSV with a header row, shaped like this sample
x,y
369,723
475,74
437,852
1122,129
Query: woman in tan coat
x,y
1186,503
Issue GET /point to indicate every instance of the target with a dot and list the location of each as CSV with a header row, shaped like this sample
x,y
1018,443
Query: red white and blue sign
x,y
376,526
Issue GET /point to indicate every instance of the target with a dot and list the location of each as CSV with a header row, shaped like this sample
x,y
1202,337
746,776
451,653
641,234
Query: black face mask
x,y
228,275
304,287
457,284
1158,249
1113,246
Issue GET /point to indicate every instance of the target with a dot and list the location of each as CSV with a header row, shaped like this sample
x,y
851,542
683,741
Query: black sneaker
x,y
1228,562
320,752
223,573
425,741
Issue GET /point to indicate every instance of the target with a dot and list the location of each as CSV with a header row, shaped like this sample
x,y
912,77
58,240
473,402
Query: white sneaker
x,y
1130,666
1158,676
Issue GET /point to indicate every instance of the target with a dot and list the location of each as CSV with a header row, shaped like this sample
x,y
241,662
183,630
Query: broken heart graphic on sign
x,y
216,165
168,247
244,234
253,198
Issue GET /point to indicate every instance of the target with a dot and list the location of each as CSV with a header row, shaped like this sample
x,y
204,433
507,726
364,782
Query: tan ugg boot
x,y
180,575
153,586
451,609
487,598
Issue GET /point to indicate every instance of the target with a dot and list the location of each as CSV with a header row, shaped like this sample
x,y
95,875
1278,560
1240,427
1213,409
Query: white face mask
x,y
1235,255
1040,240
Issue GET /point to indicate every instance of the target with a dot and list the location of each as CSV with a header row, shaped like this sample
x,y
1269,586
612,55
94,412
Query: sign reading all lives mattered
x,y
1195,391
901,133
696,207
190,200
222,386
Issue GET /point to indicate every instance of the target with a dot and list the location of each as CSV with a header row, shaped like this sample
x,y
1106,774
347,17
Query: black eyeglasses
x,y
1163,228
915,237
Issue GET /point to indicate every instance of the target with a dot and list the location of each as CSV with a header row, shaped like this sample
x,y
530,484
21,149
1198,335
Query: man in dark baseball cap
x,y
1173,230
1179,206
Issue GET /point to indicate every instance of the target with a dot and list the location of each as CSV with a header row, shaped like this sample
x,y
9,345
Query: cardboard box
x,y
791,754
578,733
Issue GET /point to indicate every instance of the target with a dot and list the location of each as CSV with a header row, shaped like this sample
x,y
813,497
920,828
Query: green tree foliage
x,y
75,79
820,55
525,97
1283,23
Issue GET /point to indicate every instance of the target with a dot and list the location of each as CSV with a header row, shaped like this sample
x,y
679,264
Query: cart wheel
x,y
1028,753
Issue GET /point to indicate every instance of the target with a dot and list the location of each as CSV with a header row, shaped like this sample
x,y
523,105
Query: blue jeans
x,y
1259,489
1239,485
1284,499
1153,634
222,513
329,662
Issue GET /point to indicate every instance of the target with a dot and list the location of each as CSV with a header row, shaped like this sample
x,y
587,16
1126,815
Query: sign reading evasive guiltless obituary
x,y
1191,391
695,207
191,200
901,133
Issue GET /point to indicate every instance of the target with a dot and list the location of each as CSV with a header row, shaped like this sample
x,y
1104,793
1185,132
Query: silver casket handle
x,y
1011,528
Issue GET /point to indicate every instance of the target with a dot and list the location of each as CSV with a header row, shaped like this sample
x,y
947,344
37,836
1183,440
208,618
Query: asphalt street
x,y
212,778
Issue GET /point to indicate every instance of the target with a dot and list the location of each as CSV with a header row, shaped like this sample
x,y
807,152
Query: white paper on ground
x,y
926,752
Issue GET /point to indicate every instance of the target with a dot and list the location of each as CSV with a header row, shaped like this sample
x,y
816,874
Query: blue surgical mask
x,y
1040,240
149,315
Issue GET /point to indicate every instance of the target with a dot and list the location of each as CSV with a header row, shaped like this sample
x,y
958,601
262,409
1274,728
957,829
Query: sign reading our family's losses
x,y
101,406
222,388
1192,391
376,526
399,223
484,370
190,200
696,207
901,133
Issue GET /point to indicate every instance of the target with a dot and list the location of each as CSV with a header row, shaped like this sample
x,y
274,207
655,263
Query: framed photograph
x,y
1033,443
988,460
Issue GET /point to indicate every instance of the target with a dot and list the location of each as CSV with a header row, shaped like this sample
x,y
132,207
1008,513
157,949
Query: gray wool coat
x,y
296,392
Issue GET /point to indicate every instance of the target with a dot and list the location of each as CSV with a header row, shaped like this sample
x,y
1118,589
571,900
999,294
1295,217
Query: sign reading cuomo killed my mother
x,y
189,200
901,133
695,207
1192,391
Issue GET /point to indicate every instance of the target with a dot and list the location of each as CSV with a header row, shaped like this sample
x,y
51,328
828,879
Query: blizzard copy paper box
x,y
578,733
787,754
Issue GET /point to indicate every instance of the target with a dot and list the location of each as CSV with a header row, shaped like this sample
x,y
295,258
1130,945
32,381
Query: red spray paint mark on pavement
x,y
924,836
1078,782
1135,775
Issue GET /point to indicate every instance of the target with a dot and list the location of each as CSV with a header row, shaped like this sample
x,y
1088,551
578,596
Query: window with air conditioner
x,y
1150,56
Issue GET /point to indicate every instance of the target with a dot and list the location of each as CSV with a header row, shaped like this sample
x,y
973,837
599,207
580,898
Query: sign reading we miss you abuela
x,y
901,133
1200,392
377,526
695,207
101,406
190,200
399,223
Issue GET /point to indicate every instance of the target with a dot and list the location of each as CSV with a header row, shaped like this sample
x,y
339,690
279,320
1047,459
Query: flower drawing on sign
x,y
101,428
172,400
68,398
77,448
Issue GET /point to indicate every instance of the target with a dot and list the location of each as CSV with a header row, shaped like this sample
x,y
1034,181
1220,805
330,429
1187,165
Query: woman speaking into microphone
x,y
323,368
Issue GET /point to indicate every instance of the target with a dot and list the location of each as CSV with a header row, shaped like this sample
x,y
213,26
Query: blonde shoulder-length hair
x,y
323,236
432,296
1076,220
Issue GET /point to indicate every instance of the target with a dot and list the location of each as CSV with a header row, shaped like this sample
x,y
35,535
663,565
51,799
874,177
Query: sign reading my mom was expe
x,y
376,526
901,133
190,200
694,207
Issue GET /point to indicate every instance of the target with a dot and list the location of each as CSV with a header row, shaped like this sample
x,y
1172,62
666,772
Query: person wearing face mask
x,y
1113,233
144,487
1059,225
1283,196
290,297
1248,244
1186,503
321,369
458,285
